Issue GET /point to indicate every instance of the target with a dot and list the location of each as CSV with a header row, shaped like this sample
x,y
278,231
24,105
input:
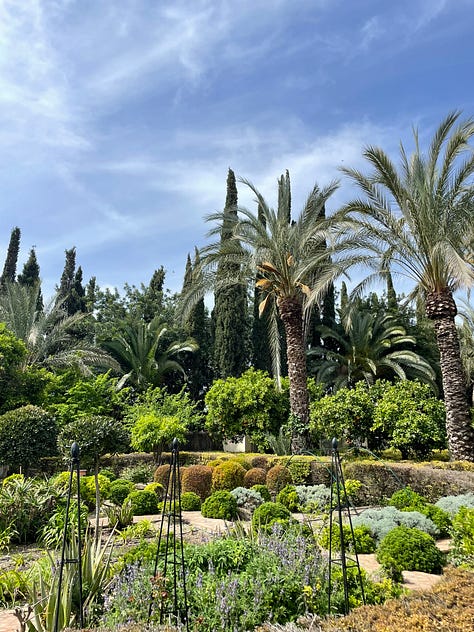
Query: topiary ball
x,y
255,476
161,475
119,490
411,550
197,479
143,502
263,491
406,497
220,504
277,477
227,476
288,497
190,501
156,488
269,513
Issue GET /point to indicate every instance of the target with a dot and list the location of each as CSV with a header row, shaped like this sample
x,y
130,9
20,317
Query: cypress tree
x,y
30,276
78,294
9,269
71,292
231,328
392,303
154,295
91,294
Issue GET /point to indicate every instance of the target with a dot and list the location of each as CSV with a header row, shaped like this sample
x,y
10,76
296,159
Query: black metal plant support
x,y
168,583
339,487
74,467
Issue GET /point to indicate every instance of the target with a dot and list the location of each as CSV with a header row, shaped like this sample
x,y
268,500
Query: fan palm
x,y
370,346
48,334
417,221
137,350
291,260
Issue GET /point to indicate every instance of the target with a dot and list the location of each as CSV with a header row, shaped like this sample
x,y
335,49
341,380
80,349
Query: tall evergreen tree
x,y
392,302
30,276
91,294
154,295
231,327
78,293
66,284
9,269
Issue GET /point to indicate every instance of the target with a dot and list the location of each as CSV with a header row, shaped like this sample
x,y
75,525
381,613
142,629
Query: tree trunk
x,y
292,317
441,309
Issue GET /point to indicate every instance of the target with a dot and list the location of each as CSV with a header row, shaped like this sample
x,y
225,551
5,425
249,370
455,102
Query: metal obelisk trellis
x,y
172,580
74,467
339,487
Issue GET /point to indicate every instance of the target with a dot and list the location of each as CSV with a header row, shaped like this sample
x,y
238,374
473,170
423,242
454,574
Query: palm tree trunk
x,y
292,317
441,309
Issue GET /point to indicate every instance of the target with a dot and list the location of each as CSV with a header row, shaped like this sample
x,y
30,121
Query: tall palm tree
x,y
48,334
137,348
417,221
289,256
370,345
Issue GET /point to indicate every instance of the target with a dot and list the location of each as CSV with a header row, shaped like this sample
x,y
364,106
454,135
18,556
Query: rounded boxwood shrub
x,y
190,501
263,491
277,477
406,497
260,461
119,490
364,542
197,479
156,488
220,504
255,476
161,475
288,497
227,476
410,550
143,502
269,513
88,489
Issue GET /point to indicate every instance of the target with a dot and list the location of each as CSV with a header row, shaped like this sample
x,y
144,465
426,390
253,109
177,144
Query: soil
x,y
197,529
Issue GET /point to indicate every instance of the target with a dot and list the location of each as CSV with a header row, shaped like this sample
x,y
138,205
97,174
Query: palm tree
x,y
370,345
417,221
48,334
137,350
293,269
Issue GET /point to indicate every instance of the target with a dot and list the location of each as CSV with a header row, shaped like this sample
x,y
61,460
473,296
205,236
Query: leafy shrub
x,y
119,515
227,476
300,470
27,434
119,490
110,474
382,521
313,498
452,504
197,479
220,504
277,477
143,502
161,475
152,431
260,461
247,498
411,550
364,542
137,531
156,488
222,555
52,533
268,513
190,501
288,497
139,473
440,518
462,533
88,489
263,491
255,476
406,497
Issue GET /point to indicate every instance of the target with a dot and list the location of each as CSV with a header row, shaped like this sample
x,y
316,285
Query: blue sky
x,y
120,118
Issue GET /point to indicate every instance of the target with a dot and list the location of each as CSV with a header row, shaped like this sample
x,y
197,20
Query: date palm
x,y
290,258
417,220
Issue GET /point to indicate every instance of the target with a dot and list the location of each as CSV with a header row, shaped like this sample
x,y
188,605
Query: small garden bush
x,y
227,476
462,552
263,491
364,542
261,462
220,504
277,477
452,504
88,489
406,497
156,488
143,502
190,501
410,549
255,476
197,479
161,475
288,497
382,521
139,473
247,499
119,490
313,498
440,518
269,513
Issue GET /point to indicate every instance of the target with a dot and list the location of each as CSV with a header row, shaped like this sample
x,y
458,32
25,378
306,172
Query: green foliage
x,y
190,501
96,436
88,489
250,404
52,533
410,549
156,488
269,513
364,542
263,491
406,497
119,516
137,531
314,498
462,534
452,504
139,473
197,479
288,497
413,419
27,434
277,477
220,504
382,521
247,499
439,517
151,432
300,470
143,502
227,475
